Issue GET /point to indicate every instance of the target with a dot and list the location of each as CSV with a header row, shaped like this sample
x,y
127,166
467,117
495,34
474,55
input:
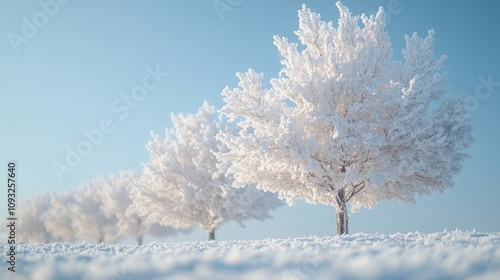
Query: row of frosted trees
x,y
182,186
343,124
98,211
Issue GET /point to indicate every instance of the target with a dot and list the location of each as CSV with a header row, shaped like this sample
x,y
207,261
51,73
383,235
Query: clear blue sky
x,y
65,78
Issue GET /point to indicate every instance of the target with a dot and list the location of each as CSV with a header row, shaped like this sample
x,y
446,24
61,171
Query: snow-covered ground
x,y
444,255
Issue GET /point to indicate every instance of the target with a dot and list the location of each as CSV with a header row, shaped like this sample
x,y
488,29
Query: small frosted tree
x,y
184,185
117,203
343,123
58,218
88,218
30,228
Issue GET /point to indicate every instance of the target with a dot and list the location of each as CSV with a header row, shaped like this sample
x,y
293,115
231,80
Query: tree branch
x,y
355,189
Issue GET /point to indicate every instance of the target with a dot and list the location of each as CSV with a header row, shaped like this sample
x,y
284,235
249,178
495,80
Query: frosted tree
x,y
89,220
117,203
30,228
184,185
343,123
58,219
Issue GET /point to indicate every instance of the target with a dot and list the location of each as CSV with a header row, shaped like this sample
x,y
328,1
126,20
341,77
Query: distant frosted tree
x,y
100,210
88,218
117,203
343,123
58,218
30,228
185,186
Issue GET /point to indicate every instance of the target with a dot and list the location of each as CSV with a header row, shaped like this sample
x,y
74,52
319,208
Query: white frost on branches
x,y
344,123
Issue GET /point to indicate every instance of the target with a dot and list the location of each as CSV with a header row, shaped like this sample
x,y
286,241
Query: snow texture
x,y
443,255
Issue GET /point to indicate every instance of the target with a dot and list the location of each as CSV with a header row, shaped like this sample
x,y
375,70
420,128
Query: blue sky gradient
x,y
87,55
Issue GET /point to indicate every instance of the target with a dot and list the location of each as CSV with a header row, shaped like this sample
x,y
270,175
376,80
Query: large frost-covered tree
x,y
344,123
185,186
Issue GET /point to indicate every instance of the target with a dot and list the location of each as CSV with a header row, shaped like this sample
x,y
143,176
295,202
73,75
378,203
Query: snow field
x,y
443,255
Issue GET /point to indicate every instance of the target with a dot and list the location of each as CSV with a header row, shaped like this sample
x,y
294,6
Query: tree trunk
x,y
140,233
138,238
211,235
342,216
